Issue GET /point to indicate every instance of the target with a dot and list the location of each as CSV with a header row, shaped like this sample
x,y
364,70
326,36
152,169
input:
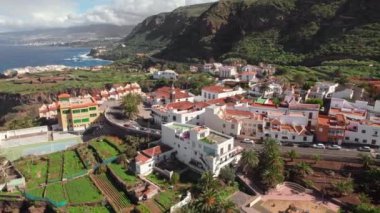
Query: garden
x,y
82,190
72,164
92,209
55,192
55,167
34,171
104,149
129,178
87,156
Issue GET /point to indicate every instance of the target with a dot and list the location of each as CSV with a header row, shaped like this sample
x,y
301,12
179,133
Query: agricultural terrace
x,y
73,164
82,190
167,198
129,178
55,167
104,149
55,192
34,171
92,209
116,142
37,191
87,156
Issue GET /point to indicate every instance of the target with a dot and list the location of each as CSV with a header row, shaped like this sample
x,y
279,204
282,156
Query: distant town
x,y
248,142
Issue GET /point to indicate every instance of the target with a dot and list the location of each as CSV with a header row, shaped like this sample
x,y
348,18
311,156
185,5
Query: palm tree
x,y
208,181
304,169
292,154
249,160
344,187
366,160
227,206
207,202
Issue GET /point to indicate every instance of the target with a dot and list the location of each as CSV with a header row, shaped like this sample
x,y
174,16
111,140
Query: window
x,y
310,115
77,121
356,140
67,111
205,95
195,153
276,136
229,147
373,142
92,108
364,141
93,115
304,138
232,126
363,131
293,137
174,118
186,119
221,151
213,96
197,116
76,111
347,138
85,120
224,125
84,110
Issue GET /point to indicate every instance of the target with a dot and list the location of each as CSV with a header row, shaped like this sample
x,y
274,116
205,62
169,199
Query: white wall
x,y
20,132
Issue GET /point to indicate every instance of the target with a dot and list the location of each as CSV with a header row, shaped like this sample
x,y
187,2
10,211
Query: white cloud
x,y
29,14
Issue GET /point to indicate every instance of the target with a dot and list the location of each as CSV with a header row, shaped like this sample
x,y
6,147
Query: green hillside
x,y
278,31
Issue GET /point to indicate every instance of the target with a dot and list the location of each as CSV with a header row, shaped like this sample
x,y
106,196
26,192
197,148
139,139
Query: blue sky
x,y
35,14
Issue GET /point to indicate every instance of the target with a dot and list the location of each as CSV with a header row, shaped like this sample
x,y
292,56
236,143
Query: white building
x,y
165,95
363,132
321,89
147,159
352,111
249,77
217,91
266,90
212,68
48,111
228,72
345,93
180,112
201,148
167,74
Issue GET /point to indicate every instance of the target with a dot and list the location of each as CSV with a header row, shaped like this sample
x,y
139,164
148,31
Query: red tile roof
x,y
216,89
157,150
239,112
141,158
304,106
64,95
164,92
183,105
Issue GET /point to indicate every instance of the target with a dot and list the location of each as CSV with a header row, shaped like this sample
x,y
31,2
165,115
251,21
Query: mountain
x,y
79,35
276,31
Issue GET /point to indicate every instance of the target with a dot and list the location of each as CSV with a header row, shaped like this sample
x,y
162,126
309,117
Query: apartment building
x,y
218,91
166,74
331,128
249,77
228,72
76,113
200,148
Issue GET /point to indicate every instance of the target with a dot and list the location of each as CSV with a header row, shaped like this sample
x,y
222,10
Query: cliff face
x,y
277,31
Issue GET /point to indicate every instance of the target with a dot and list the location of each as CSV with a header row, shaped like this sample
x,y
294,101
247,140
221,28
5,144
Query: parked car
x,y
290,144
248,141
319,146
377,156
334,147
364,149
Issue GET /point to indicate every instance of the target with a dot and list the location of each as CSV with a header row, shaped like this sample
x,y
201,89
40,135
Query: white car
x,y
365,149
319,146
334,147
248,141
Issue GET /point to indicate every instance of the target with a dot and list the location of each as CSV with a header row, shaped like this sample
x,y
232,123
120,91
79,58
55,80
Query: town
x,y
247,141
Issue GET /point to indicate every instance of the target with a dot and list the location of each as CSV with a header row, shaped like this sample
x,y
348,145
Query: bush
x,y
227,174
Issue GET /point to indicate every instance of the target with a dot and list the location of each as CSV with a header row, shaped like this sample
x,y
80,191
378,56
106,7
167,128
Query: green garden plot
x,y
55,167
116,142
166,199
89,209
104,149
82,190
72,164
87,156
119,171
55,192
38,192
34,171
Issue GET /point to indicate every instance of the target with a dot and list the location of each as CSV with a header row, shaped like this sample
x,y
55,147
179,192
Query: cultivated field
x,y
82,190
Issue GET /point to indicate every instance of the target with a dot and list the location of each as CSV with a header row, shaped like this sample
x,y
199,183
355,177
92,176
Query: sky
x,y
16,15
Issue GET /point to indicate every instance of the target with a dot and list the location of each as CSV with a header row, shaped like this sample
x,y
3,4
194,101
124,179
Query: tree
x,y
316,158
271,165
227,174
249,160
292,154
366,208
208,181
130,104
227,206
315,101
304,169
344,187
207,201
366,160
299,79
369,183
175,178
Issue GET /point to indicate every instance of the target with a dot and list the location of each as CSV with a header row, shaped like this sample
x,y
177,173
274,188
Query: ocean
x,y
21,56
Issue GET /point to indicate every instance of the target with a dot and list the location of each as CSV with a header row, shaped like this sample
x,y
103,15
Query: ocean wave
x,y
82,57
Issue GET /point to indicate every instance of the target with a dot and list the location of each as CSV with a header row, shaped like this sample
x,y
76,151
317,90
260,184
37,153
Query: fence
x,y
51,202
182,203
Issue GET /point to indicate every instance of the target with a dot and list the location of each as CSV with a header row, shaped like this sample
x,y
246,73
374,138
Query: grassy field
x,y
160,181
34,171
73,165
143,208
82,190
55,192
116,142
166,199
55,167
104,149
88,209
36,191
73,79
118,169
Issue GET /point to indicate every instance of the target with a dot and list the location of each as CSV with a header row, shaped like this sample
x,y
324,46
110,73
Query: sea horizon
x,y
20,56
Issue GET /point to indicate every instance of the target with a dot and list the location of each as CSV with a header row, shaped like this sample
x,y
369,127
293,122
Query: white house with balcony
x,y
181,112
201,148
321,89
228,72
166,74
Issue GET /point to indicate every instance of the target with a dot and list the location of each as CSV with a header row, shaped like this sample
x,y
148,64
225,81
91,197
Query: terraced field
x,y
73,164
87,156
55,192
104,149
116,197
55,167
34,171
82,190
